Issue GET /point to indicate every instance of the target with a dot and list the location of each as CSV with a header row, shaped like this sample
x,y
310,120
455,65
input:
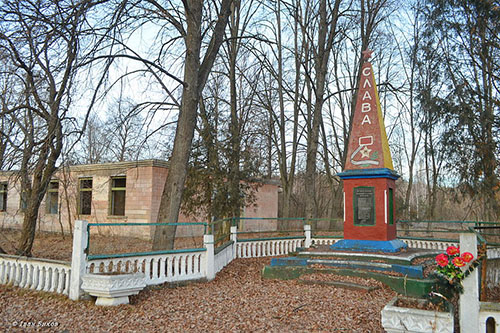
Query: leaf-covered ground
x,y
237,300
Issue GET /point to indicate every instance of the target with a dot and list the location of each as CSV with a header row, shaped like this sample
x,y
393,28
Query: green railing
x,y
326,228
254,229
268,227
221,229
121,245
145,253
446,230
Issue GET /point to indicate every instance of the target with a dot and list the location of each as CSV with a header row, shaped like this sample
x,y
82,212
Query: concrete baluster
x,y
307,234
60,282
162,267
183,265
36,277
154,263
190,264
2,272
67,282
24,275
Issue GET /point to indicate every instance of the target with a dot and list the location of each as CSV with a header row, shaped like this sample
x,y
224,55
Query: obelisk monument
x,y
369,176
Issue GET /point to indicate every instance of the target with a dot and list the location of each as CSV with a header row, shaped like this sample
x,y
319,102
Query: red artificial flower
x,y
458,262
452,250
442,259
467,256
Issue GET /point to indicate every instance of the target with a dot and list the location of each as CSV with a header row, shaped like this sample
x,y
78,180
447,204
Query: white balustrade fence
x,y
324,241
224,256
266,248
428,244
157,268
170,266
36,274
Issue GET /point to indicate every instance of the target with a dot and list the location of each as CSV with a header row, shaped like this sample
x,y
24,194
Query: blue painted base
x,y
408,270
289,261
369,173
358,245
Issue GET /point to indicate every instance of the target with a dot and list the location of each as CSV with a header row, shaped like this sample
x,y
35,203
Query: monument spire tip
x,y
367,54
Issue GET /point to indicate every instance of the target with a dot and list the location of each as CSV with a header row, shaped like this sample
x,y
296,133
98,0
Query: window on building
x,y
118,185
52,201
85,196
3,197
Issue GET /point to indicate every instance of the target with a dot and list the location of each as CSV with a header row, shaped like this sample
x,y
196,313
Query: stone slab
x,y
405,256
391,246
415,271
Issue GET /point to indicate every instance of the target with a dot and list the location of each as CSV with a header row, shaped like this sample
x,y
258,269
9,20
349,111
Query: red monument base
x,y
369,211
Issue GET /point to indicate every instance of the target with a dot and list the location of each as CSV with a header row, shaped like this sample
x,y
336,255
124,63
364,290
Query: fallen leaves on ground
x,y
237,300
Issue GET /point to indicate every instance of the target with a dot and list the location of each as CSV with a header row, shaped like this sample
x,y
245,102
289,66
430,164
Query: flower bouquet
x,y
452,268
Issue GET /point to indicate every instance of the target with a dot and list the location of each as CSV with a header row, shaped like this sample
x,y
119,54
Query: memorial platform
x,y
404,271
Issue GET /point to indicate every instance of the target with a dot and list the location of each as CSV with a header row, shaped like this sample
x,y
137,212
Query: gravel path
x,y
237,300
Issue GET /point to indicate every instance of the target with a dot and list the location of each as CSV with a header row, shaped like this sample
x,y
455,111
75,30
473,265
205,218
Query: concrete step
x,y
401,284
340,284
412,271
403,258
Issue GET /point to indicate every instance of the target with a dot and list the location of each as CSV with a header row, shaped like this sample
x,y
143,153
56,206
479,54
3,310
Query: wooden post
x,y
483,272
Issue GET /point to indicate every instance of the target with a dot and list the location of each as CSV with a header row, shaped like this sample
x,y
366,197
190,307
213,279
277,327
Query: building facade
x,y
124,192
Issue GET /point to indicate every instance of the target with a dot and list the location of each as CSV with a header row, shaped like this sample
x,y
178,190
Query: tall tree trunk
x,y
326,34
269,147
36,188
170,204
234,128
195,77
287,177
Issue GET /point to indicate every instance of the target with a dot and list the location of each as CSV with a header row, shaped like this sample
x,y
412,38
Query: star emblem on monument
x,y
365,152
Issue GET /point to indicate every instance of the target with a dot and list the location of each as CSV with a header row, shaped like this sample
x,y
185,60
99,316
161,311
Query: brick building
x,y
109,192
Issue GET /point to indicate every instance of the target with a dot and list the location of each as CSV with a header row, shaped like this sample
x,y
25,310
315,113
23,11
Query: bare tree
x,y
287,159
470,59
127,127
409,116
327,33
9,96
429,85
42,40
196,71
239,21
95,142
